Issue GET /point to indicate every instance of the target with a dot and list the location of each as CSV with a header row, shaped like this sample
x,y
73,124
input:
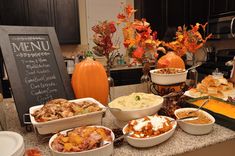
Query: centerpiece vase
x,y
193,74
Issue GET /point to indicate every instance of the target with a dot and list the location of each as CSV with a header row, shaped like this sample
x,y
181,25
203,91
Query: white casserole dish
x,y
127,115
151,141
69,122
167,79
105,150
195,129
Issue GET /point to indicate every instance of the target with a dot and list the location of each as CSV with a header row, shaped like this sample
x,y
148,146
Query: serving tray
x,y
220,119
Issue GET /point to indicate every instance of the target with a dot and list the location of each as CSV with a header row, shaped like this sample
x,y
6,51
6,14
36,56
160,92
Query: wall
x,y
89,15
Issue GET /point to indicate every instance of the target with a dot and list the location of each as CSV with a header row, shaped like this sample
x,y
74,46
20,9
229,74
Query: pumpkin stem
x,y
89,54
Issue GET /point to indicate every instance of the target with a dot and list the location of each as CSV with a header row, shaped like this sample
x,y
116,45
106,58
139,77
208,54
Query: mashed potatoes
x,y
136,101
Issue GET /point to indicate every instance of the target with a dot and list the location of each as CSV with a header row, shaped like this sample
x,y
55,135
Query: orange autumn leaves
x,y
188,40
140,39
103,37
138,36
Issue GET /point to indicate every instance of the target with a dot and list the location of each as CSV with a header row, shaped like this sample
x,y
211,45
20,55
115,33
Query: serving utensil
x,y
187,118
104,142
172,94
205,102
195,66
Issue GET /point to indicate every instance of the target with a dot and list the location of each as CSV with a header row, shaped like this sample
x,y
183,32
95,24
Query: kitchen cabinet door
x,y
39,12
177,13
231,5
218,7
198,11
12,12
66,21
155,14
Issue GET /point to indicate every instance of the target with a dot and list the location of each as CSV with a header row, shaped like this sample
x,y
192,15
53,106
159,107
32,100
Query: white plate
x,y
226,94
11,144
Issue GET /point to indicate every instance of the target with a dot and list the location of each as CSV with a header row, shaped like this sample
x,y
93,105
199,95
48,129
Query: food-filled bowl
x,y
135,105
202,125
43,123
167,76
83,141
157,130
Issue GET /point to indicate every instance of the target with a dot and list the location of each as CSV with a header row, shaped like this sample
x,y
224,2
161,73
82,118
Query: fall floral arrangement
x,y
104,32
188,40
141,42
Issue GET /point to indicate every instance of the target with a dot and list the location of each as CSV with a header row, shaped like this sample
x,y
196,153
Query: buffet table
x,y
179,143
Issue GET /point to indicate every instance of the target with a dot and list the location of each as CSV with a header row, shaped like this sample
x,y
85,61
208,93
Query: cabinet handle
x,y
231,27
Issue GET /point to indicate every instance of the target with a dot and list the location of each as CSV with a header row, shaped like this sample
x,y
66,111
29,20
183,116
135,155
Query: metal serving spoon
x,y
187,118
195,66
205,102
116,139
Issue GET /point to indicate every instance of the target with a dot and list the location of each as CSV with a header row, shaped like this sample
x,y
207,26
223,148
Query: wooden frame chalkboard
x,y
34,65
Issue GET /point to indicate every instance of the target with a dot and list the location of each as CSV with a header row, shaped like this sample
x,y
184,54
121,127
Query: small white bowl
x,y
127,115
167,79
195,129
151,141
105,150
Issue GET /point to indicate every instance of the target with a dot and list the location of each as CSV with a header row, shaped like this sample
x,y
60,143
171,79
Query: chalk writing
x,y
37,67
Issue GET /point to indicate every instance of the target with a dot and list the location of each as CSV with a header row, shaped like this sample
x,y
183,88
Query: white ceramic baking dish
x,y
167,79
105,150
93,118
151,141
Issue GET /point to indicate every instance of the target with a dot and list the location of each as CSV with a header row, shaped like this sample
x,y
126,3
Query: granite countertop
x,y
180,142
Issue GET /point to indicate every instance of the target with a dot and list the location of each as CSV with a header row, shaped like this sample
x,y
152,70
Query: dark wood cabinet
x,y
66,20
231,5
62,14
39,13
166,15
222,7
177,12
217,7
12,12
126,77
155,15
198,11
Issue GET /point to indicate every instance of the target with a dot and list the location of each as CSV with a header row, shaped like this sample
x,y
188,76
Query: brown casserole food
x,y
62,108
202,118
81,139
148,126
169,71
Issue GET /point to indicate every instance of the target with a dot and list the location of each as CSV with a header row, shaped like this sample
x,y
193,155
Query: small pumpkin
x,y
171,60
89,79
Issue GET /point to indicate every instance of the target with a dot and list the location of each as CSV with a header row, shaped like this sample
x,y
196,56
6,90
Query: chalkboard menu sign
x,y
35,66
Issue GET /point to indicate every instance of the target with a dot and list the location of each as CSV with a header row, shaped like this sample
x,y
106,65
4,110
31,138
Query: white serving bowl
x,y
127,115
195,129
105,150
53,126
167,79
151,141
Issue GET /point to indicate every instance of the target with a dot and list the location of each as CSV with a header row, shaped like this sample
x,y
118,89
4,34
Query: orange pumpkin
x,y
89,79
170,60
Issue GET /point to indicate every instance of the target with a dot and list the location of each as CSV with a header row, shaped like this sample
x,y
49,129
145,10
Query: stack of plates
x,y
11,144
